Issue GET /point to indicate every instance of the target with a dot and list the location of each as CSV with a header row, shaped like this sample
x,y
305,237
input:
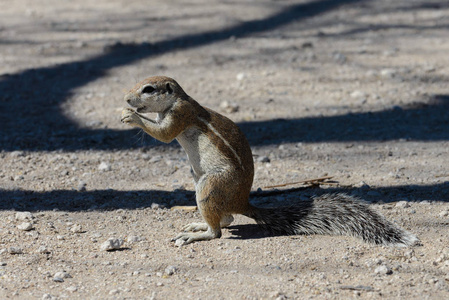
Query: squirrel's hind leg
x,y
210,198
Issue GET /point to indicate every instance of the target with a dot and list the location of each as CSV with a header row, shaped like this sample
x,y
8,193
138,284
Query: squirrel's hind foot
x,y
185,238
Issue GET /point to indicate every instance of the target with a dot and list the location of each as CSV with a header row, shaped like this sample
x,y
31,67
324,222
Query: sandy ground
x,y
357,90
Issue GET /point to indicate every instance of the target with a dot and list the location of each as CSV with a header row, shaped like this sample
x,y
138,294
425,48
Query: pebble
x,y
24,215
104,167
263,159
229,107
81,186
114,292
133,239
62,274
155,159
72,289
76,228
43,250
170,270
388,73
15,250
16,154
111,244
179,243
155,205
444,213
358,94
383,270
25,226
241,76
402,204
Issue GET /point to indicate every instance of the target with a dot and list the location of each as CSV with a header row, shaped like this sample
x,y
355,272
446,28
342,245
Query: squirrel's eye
x,y
148,89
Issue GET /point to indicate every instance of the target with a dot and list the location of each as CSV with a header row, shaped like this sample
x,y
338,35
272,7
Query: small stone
x,y
62,274
58,279
81,186
383,270
2,263
114,292
15,250
133,239
24,215
179,243
358,94
76,228
155,205
170,270
229,107
60,237
146,156
16,154
46,296
111,244
72,289
444,213
43,250
104,167
241,76
25,226
402,204
263,159
155,159
388,73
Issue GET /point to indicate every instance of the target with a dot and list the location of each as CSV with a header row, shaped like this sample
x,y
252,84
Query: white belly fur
x,y
203,155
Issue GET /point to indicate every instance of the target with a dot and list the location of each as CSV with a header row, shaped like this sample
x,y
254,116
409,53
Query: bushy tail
x,y
333,214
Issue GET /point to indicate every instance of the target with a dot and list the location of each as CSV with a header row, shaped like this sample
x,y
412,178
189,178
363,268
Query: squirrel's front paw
x,y
130,117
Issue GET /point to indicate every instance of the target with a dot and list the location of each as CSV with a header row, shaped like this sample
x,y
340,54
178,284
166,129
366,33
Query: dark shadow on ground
x,y
248,232
30,101
71,200
418,122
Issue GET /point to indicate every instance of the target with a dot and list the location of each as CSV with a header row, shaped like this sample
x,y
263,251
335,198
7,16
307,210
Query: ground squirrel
x,y
223,170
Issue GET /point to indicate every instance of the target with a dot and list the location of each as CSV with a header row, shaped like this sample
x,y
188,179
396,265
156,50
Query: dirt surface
x,y
357,90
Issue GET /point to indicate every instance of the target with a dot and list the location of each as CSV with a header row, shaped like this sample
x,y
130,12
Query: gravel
x,y
364,101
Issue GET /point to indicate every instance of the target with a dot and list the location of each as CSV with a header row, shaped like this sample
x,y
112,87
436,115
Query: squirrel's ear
x,y
168,88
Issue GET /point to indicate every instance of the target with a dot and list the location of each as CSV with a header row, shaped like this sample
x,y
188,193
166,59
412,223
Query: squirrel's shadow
x,y
249,232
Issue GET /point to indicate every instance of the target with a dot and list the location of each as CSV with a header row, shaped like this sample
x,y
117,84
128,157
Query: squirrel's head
x,y
154,94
